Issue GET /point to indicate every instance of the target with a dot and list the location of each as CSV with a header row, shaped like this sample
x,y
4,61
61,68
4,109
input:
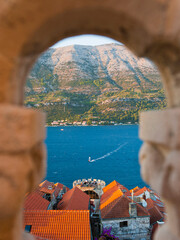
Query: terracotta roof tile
x,y
156,202
119,208
46,190
59,225
34,201
35,190
46,184
113,197
50,187
109,186
141,191
155,214
108,193
60,186
112,191
135,189
74,199
150,203
160,205
113,184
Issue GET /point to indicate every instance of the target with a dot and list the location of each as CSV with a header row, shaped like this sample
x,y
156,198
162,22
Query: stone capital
x,y
161,127
21,128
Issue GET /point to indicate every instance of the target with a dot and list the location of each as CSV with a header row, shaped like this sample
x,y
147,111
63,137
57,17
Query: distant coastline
x,y
123,124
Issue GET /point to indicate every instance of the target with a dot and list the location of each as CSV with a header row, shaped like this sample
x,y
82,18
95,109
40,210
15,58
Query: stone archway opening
x,y
92,194
89,193
54,59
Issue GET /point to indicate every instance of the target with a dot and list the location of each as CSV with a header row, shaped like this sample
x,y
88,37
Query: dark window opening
x,y
92,194
123,224
47,196
28,228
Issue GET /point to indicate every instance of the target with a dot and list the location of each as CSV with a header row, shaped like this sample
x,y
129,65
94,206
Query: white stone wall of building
x,y
137,229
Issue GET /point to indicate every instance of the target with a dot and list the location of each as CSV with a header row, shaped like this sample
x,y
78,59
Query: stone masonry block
x,y
161,127
6,68
15,181
20,128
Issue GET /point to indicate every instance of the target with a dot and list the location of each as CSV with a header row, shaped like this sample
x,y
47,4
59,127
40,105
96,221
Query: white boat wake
x,y
109,153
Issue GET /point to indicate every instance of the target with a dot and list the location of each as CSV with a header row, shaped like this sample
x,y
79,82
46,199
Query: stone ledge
x,y
161,127
21,128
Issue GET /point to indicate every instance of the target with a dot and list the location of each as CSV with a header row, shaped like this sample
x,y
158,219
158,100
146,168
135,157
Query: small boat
x,y
89,160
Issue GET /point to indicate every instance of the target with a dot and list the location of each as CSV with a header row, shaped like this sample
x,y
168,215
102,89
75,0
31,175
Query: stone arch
x,y
148,28
92,194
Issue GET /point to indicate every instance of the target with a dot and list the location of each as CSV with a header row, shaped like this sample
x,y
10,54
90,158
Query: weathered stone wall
x,y
160,166
137,227
148,28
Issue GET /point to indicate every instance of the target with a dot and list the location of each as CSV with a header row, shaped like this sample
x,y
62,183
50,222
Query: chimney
x,y
132,209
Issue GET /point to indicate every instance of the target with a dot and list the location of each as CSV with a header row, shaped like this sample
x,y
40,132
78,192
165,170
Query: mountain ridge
x,y
113,64
94,80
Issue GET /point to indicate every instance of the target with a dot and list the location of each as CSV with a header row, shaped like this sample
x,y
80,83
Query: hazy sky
x,y
85,40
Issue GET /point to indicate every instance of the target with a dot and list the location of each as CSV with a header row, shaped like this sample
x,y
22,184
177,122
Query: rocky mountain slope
x,y
107,83
99,67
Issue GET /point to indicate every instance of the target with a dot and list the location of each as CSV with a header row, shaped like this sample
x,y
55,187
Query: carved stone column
x,y
22,164
160,164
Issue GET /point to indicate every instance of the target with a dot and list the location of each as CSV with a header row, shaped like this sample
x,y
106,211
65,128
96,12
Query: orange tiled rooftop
x,y
119,208
74,199
57,224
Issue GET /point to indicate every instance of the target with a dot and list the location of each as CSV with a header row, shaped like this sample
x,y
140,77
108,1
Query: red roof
x,y
150,203
124,190
141,191
60,186
50,187
115,195
119,208
108,193
34,201
59,225
47,190
135,189
113,184
112,188
155,213
156,202
74,199
46,184
160,205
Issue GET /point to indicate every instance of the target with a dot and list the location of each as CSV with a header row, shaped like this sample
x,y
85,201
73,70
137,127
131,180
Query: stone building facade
x,y
93,188
27,28
128,219
137,228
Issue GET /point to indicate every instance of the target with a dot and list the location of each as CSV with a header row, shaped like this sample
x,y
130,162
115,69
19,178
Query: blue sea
x,y
113,150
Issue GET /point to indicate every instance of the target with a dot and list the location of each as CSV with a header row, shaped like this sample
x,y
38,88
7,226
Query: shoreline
x,y
133,124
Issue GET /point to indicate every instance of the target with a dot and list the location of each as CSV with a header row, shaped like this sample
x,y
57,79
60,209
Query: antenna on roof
x,y
132,196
